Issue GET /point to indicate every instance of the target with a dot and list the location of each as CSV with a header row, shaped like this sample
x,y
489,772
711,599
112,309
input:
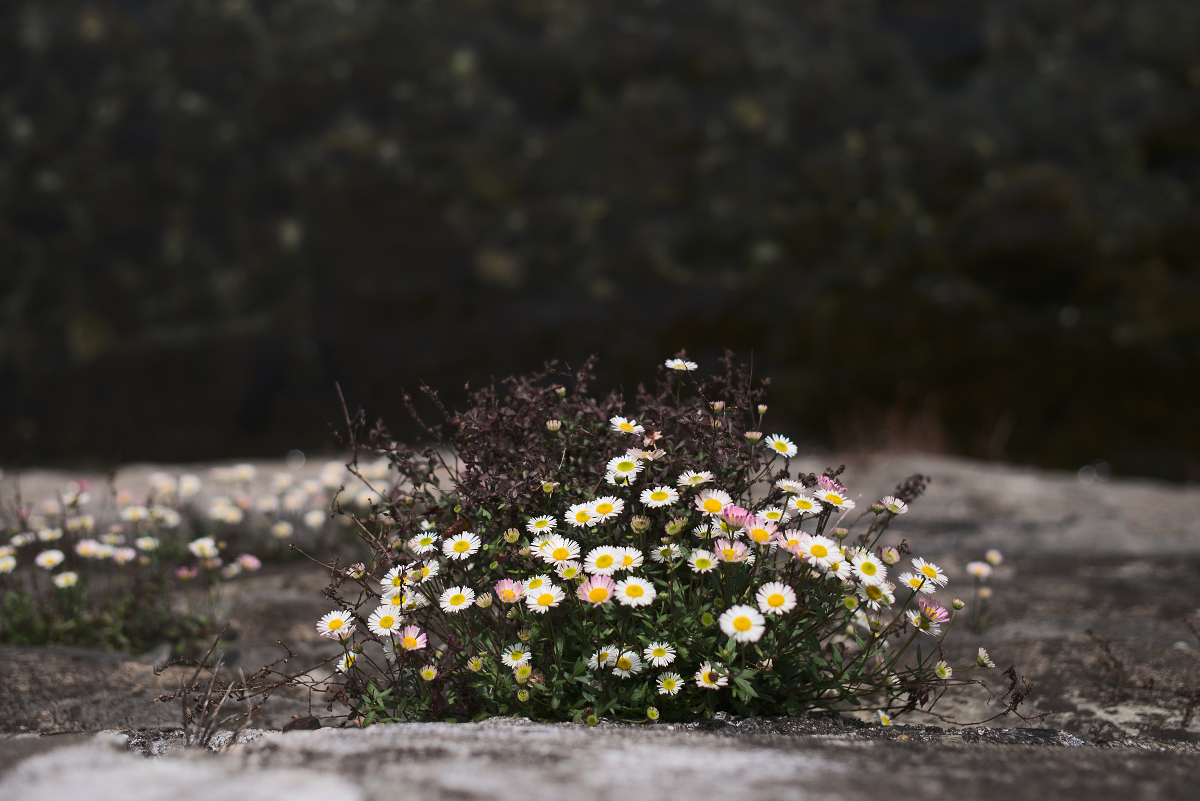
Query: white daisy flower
x,y
818,551
384,620
538,525
314,518
635,591
659,496
659,654
393,581
775,515
66,579
790,486
605,657
456,599
894,505
877,596
983,660
669,683
627,466
693,478
775,598
833,497
516,656
980,570
623,426
917,582
781,445
282,529
943,670
702,561
346,662
8,563
680,364
868,568
803,505
568,570
537,583
423,543
607,507
423,572
461,547
544,598
743,623
616,479
49,559
336,624
668,552
631,558
581,514
713,501
930,571
628,663
603,561
559,550
710,677
840,569
993,557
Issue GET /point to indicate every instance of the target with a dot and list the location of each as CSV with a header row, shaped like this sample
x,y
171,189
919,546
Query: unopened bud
x,y
553,425
957,604
652,713
841,533
718,406
639,524
562,391
511,536
706,619
890,556
762,408
549,487
484,601
753,436
522,695
878,508
591,720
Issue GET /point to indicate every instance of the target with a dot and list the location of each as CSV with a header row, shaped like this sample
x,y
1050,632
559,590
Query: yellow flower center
x,y
820,551
836,500
659,496
623,663
410,643
712,505
516,656
462,546
780,446
535,583
604,508
426,540
760,535
398,581
729,553
541,524
570,573
604,560
928,571
868,568
742,623
508,596
457,599
668,684
625,466
397,600
873,592
659,653
560,554
335,624
582,516
803,503
775,600
710,677
545,599
626,560
386,621
703,563
634,591
598,594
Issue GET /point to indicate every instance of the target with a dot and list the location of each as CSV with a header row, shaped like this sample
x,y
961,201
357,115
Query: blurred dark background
x,y
958,225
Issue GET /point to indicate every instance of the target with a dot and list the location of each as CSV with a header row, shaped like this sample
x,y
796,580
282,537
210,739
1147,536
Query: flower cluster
x,y
628,556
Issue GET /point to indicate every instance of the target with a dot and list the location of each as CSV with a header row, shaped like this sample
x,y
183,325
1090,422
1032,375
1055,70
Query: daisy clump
x,y
564,555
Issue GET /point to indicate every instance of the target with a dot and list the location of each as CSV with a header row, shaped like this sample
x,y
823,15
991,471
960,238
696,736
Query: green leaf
x,y
745,687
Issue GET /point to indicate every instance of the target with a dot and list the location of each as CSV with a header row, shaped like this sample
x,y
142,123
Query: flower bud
x,y
762,408
511,536
639,524
841,533
522,695
753,436
484,601
591,720
706,619
652,713
718,406
890,556
878,508
957,604
562,391
524,635
549,487
553,425
474,664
